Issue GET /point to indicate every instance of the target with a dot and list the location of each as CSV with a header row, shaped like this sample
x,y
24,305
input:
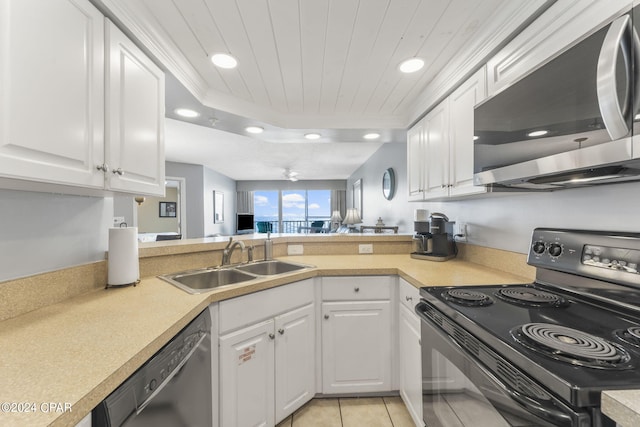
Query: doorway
x,y
164,216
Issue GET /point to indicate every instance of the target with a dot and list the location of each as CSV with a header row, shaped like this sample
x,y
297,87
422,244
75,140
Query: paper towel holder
x,y
120,285
107,286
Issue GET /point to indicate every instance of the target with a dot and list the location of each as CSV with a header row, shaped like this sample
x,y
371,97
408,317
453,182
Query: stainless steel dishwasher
x,y
173,388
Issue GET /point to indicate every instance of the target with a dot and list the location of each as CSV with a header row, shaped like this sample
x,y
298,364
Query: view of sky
x,y
295,204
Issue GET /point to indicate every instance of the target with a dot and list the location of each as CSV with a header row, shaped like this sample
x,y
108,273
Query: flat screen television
x,y
244,223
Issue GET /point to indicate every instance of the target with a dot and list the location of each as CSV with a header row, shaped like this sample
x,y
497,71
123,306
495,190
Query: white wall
x,y
41,232
214,181
395,211
200,184
149,219
193,193
505,221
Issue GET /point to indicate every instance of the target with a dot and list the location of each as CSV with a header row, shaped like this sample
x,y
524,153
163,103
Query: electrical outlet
x,y
365,248
461,232
117,220
295,249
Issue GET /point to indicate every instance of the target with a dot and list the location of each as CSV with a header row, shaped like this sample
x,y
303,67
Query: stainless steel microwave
x,y
571,121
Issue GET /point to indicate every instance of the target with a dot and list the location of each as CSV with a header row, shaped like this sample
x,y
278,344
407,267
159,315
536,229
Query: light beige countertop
x,y
75,352
622,406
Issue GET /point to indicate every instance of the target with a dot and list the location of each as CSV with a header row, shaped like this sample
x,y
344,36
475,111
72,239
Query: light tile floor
x,y
351,412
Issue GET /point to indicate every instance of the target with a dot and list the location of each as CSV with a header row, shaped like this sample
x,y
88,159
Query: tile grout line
x,y
340,408
388,413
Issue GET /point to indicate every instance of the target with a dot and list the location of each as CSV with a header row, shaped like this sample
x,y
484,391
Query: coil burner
x,y
572,346
467,297
530,297
630,335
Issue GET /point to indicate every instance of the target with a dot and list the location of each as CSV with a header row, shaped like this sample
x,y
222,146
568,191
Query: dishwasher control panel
x,y
140,389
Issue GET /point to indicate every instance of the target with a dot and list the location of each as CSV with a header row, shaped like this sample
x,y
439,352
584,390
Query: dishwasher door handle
x,y
173,372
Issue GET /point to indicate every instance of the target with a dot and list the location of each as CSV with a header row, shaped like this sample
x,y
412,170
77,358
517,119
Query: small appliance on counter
x,y
434,240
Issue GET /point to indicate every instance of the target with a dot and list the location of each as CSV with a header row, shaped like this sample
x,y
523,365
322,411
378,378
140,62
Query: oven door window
x,y
452,399
459,391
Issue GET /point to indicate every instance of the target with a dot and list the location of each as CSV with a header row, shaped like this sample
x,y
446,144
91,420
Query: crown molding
x,y
507,22
137,22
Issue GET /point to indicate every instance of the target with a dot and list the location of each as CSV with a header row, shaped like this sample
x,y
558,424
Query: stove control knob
x,y
555,250
539,247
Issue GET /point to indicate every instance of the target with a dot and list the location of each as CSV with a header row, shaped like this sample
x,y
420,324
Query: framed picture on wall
x,y
168,209
218,207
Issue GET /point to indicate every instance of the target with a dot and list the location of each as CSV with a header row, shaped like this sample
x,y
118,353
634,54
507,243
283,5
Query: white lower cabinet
x,y
356,334
247,375
267,368
410,352
294,360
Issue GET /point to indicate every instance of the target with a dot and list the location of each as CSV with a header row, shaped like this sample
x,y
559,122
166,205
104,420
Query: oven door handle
x,y
543,410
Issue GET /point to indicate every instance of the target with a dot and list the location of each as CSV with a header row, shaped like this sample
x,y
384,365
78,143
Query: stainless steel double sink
x,y
207,279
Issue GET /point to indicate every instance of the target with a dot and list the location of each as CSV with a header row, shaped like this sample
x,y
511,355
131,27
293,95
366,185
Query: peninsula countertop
x,y
58,362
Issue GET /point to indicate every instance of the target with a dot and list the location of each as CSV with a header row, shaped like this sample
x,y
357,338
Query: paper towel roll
x,y
421,215
122,262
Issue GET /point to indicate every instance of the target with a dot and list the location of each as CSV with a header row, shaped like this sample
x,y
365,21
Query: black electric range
x,y
557,342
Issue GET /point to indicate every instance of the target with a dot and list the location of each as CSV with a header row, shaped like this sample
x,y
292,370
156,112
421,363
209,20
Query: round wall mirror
x,y
388,184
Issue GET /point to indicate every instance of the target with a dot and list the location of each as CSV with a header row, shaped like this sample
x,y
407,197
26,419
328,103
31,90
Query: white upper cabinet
x,y
436,131
428,155
135,117
51,91
461,105
54,105
416,153
440,146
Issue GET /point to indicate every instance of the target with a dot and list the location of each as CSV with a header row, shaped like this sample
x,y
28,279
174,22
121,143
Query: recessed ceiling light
x,y
372,135
254,129
312,135
411,65
185,112
224,60
538,133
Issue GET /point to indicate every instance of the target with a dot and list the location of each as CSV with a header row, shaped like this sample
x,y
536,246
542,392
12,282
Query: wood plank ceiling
x,y
329,66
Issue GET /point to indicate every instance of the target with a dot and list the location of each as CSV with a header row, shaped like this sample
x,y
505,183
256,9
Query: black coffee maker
x,y
433,240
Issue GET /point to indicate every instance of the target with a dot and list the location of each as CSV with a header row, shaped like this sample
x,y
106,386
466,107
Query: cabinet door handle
x,y
103,167
409,298
326,316
272,336
118,171
281,331
356,289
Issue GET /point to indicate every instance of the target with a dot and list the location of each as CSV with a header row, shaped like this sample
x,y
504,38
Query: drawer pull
x,y
326,316
409,298
281,331
357,289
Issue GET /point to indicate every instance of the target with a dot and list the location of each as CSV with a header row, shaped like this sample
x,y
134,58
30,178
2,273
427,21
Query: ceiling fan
x,y
290,175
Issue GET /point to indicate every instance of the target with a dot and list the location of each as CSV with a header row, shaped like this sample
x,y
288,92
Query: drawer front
x,y
248,309
408,294
356,288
